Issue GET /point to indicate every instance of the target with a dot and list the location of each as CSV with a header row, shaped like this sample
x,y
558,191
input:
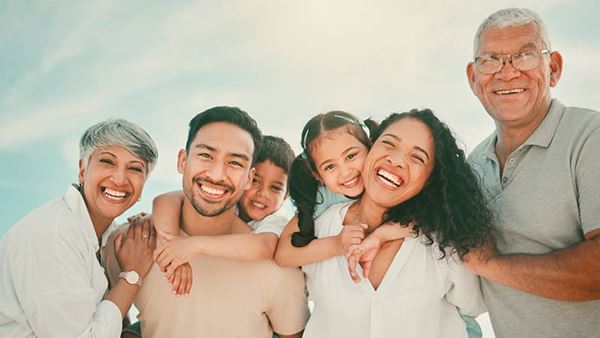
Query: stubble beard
x,y
210,213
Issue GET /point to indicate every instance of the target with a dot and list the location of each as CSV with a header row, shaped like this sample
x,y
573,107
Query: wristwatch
x,y
131,277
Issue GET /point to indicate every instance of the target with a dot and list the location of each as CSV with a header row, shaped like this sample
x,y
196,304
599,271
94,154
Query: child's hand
x,y
363,254
350,236
181,280
173,252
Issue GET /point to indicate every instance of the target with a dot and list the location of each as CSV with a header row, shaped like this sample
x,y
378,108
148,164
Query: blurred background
x,y
65,65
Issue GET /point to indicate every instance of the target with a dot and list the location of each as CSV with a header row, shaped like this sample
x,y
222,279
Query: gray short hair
x,y
513,17
121,133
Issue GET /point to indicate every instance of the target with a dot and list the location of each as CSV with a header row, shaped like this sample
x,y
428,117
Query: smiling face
x,y
112,182
399,163
339,158
217,168
515,98
267,193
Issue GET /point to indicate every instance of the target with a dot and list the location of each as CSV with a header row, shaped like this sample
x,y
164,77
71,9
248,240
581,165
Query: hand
x,y
181,280
134,248
137,218
363,254
351,235
173,252
477,259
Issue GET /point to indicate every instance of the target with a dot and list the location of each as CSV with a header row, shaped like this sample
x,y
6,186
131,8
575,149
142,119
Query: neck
x,y
369,213
511,137
194,224
100,223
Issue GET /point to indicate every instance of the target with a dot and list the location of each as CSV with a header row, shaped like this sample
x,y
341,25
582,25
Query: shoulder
x,y
331,221
582,120
482,149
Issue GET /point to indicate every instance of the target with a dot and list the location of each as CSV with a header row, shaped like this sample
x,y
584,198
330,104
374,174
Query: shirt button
x,y
511,160
504,179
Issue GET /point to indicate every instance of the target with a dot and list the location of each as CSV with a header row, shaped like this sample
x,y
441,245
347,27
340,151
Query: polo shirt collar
x,y
544,133
75,201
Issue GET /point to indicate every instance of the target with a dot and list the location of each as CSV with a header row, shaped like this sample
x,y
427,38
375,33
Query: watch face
x,y
132,277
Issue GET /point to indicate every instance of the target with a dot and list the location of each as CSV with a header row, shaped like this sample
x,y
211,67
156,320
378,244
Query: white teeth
x,y
259,205
390,178
212,191
351,182
113,194
511,91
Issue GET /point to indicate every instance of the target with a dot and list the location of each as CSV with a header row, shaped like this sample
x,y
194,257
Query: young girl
x,y
329,171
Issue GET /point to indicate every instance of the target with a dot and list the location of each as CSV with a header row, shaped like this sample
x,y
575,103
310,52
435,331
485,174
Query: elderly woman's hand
x,y
134,247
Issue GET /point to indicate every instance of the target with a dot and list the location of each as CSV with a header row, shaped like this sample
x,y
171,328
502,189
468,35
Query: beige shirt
x,y
229,298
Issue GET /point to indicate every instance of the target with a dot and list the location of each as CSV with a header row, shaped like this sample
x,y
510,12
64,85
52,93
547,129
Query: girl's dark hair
x,y
451,210
302,184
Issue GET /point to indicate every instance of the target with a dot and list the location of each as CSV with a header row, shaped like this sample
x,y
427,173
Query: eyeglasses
x,y
491,64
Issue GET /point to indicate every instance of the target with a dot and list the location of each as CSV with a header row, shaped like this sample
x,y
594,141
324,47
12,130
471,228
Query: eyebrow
x,y
105,152
415,147
342,153
211,148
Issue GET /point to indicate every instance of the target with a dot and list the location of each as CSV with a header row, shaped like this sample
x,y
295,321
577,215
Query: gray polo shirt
x,y
547,199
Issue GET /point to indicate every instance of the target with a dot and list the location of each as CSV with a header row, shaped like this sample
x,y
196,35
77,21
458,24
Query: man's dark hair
x,y
276,150
232,115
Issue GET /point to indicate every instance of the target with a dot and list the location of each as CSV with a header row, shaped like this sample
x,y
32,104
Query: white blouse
x,y
51,283
419,296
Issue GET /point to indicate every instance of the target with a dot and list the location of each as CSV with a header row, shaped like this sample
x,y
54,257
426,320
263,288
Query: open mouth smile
x,y
114,195
509,91
352,182
389,179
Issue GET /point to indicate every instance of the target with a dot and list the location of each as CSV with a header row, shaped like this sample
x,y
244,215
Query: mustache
x,y
220,183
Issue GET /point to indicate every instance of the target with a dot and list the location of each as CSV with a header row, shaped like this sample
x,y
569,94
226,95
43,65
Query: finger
x,y
171,268
152,240
146,228
182,280
366,268
189,279
176,281
157,252
137,231
352,263
130,231
118,242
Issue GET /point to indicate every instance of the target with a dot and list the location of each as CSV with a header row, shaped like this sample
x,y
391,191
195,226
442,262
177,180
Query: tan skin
x,y
113,168
516,118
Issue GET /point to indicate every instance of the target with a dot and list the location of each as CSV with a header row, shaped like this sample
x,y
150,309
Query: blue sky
x,y
66,65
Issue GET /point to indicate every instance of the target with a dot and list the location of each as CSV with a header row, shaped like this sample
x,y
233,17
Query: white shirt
x,y
274,222
51,283
420,295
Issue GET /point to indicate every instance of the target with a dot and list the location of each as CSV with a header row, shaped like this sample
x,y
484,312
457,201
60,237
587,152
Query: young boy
x,y
260,206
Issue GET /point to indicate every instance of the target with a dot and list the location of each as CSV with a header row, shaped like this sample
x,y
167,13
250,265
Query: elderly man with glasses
x,y
541,173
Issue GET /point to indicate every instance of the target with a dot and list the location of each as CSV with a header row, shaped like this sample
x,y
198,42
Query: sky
x,y
65,65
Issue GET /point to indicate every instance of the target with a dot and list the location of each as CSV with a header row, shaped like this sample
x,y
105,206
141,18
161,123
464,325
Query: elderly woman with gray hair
x,y
52,283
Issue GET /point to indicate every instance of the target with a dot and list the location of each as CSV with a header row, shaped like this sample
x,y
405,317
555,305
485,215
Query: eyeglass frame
x,y
504,57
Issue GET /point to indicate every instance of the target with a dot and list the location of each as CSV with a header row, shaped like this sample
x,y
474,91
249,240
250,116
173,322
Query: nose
x,y
397,159
216,171
119,176
261,191
508,70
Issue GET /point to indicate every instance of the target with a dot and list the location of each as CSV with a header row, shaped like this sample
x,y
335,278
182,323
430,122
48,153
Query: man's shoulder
x,y
580,118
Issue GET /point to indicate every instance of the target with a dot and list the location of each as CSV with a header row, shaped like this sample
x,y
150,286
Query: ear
x,y
316,175
181,159
81,171
556,65
471,76
250,178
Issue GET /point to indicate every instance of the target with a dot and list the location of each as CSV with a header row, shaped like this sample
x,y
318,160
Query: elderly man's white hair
x,y
121,133
513,17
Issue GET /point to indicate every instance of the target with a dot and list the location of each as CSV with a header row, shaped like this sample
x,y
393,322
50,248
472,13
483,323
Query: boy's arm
x,y
318,249
166,211
249,246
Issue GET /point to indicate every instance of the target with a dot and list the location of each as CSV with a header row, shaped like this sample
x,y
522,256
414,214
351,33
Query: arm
x,y
296,335
577,267
166,210
318,249
250,246
65,303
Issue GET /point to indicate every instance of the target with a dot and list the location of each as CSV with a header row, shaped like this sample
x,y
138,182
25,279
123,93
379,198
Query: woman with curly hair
x,y
417,286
